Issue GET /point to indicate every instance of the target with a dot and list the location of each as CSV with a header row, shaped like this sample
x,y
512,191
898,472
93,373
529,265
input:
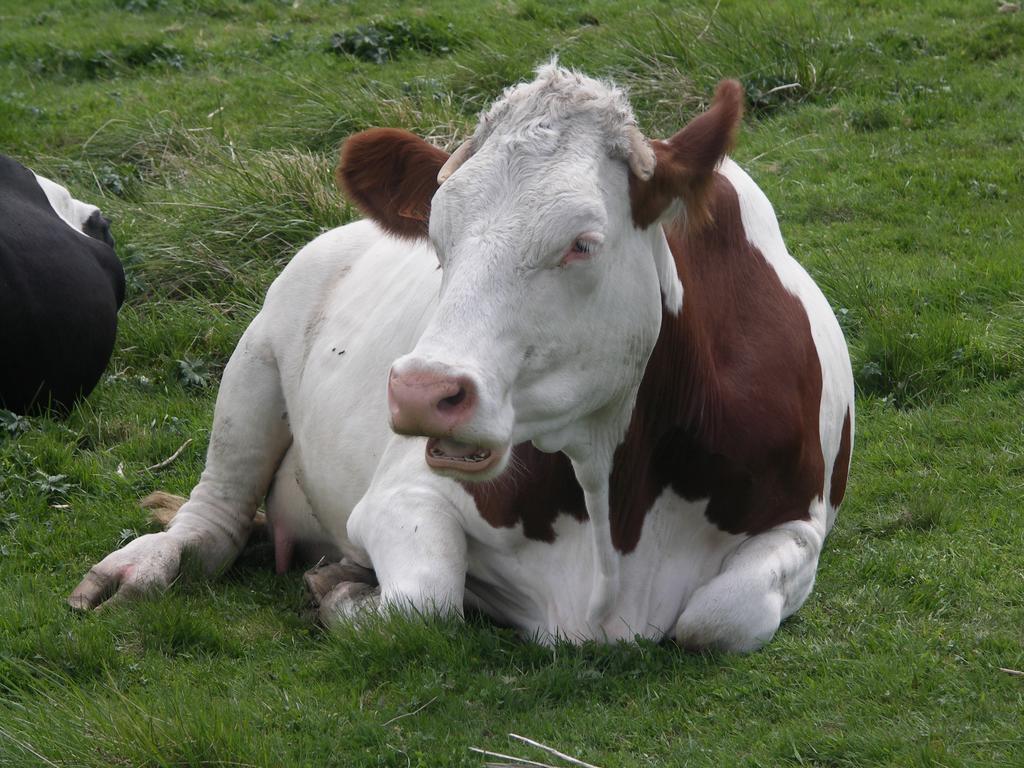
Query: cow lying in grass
x,y
61,285
618,409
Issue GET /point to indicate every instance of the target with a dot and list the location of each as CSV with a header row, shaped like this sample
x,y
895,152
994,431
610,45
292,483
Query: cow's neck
x,y
729,405
684,381
680,406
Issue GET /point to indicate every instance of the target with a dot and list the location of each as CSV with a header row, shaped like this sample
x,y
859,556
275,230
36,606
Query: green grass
x,y
207,130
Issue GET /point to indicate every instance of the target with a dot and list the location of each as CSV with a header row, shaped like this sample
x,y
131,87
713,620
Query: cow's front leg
x,y
250,434
766,579
413,540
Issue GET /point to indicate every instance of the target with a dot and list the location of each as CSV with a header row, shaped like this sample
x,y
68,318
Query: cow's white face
x,y
549,302
554,269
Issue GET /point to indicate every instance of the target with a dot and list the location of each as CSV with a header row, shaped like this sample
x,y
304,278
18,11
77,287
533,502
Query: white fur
x,y
74,212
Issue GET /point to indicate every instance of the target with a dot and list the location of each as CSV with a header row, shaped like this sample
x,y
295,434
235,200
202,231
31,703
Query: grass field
x,y
207,130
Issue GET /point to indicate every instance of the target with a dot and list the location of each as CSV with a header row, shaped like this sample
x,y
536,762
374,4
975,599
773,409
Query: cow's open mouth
x,y
445,453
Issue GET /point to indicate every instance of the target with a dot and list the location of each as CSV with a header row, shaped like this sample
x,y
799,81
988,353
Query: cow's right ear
x,y
392,176
686,162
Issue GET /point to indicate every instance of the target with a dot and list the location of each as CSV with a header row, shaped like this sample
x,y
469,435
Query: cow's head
x,y
84,217
555,268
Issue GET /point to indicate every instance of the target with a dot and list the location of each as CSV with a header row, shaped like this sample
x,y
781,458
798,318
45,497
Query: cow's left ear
x,y
392,176
686,162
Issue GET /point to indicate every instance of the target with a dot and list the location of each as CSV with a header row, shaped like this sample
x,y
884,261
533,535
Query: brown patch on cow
x,y
392,176
535,489
841,468
729,405
727,410
686,162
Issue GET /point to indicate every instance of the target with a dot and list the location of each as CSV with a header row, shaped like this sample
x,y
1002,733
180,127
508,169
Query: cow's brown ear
x,y
392,176
687,161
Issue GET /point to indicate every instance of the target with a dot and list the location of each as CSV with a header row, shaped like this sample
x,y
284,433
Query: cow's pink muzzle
x,y
436,405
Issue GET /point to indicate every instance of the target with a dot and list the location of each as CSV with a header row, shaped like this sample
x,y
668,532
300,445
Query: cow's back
x,y
348,304
60,291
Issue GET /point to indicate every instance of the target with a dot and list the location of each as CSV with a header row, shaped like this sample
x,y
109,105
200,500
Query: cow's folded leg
x,y
250,434
348,602
417,546
766,579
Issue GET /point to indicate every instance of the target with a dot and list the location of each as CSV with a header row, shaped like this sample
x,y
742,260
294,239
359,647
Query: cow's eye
x,y
582,248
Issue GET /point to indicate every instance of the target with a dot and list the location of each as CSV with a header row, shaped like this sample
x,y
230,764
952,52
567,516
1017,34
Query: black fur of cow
x,y
61,285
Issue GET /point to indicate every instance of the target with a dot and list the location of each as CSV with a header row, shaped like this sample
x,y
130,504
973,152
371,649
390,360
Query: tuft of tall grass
x,y
124,156
781,59
914,347
917,357
114,727
482,73
235,220
325,116
268,202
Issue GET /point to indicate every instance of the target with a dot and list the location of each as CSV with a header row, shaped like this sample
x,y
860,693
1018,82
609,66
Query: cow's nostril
x,y
453,402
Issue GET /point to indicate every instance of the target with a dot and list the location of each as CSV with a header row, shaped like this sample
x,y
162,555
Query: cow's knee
x,y
720,617
767,578
417,548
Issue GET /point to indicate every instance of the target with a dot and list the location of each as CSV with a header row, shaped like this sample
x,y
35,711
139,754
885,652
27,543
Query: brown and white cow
x,y
625,410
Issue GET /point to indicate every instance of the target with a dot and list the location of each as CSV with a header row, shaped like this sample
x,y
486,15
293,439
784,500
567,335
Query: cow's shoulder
x,y
26,216
43,202
20,184
728,409
46,234
38,242
352,283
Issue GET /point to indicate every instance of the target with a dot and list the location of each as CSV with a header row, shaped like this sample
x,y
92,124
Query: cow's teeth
x,y
474,458
456,452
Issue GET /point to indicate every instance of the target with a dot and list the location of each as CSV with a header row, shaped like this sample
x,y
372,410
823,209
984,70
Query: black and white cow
x,y
61,285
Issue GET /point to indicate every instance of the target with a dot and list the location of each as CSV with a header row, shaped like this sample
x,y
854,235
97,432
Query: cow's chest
x,y
544,587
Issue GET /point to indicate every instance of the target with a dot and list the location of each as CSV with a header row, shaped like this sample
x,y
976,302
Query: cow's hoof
x,y
348,602
320,581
